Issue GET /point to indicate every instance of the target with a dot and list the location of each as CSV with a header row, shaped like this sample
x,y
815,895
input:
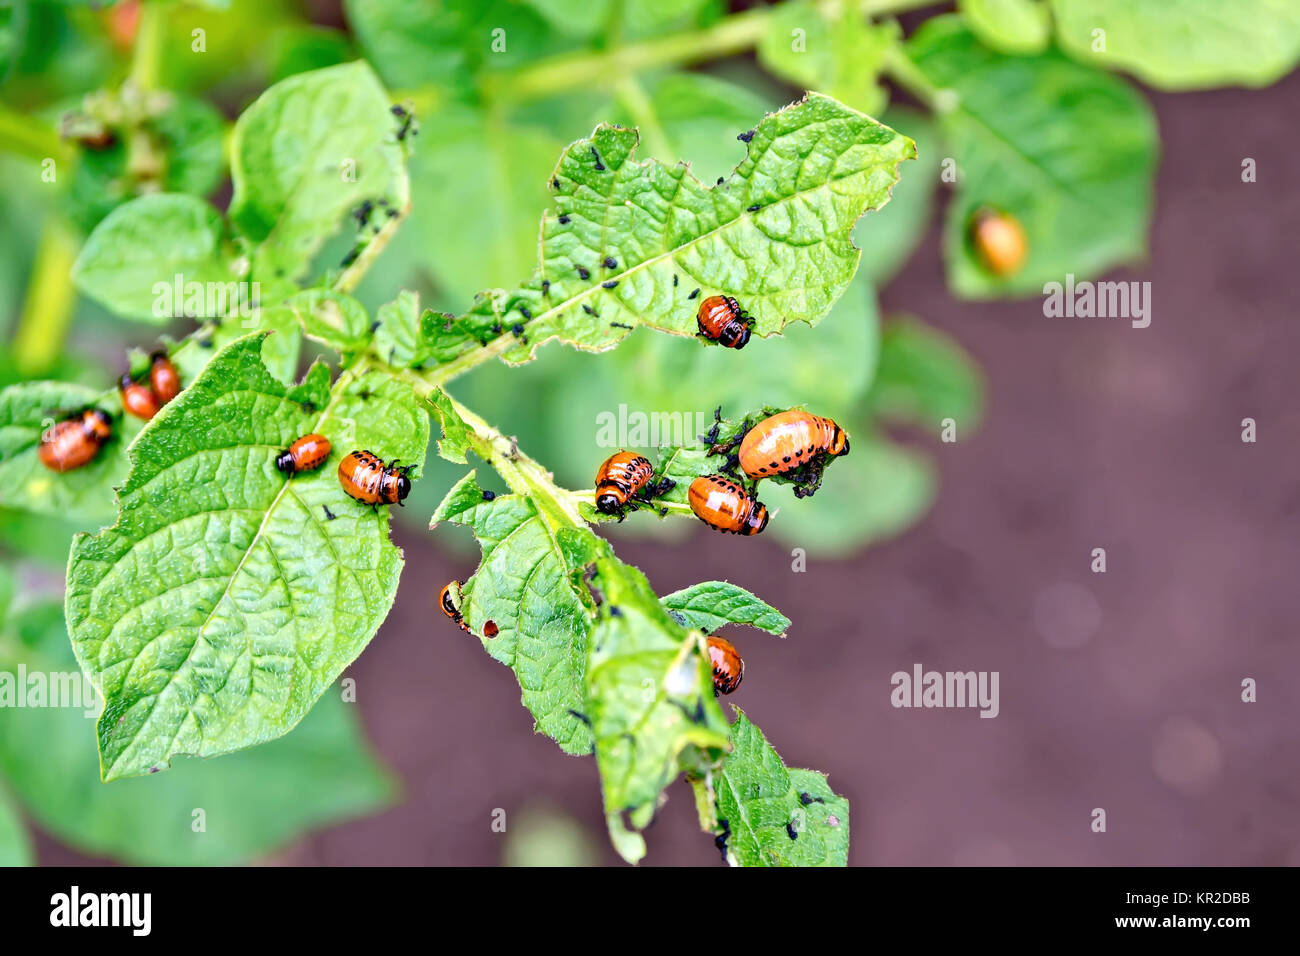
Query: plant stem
x,y
351,277
900,68
735,34
26,136
522,474
146,60
43,325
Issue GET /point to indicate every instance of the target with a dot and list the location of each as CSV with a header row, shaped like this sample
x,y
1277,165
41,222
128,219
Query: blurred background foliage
x,y
1013,107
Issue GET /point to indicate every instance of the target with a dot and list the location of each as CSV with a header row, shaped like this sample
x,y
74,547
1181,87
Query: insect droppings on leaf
x,y
746,136
610,284
720,841
619,325
583,273
674,280
580,716
588,309
329,515
753,208
599,165
693,294
489,495
791,832
517,329
610,262
350,258
563,220
374,326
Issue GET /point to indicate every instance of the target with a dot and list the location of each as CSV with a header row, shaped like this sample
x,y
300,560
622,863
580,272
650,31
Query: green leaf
x,y
253,802
334,318
15,846
411,42
309,150
225,601
404,334
1185,44
1070,152
924,376
130,262
523,585
1009,26
649,694
764,803
813,169
840,53
713,604
456,435
84,495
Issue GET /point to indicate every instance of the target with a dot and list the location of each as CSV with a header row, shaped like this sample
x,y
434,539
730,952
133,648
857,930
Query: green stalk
x,y
735,34
146,60
29,137
47,309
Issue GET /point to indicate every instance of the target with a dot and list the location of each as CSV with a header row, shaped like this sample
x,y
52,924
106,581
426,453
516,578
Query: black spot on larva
x,y
583,273
489,495
610,284
746,136
563,220
610,262
754,208
693,294
599,165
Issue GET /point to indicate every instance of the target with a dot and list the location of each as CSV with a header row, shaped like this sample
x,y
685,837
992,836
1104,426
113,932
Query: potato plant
x,y
219,601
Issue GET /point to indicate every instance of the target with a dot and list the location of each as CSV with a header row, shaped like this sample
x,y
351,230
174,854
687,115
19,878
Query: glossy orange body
x,y
728,667
725,506
305,454
788,440
164,378
621,476
75,441
999,242
138,400
366,478
721,319
448,605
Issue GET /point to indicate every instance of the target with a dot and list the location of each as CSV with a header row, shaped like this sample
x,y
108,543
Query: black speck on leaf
x,y
517,328
523,310
719,182
746,136
563,220
588,309
610,284
583,273
599,165
489,495
693,294
611,262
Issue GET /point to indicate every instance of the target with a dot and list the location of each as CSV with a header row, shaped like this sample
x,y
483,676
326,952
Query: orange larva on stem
x,y
163,378
622,475
724,506
787,441
137,399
